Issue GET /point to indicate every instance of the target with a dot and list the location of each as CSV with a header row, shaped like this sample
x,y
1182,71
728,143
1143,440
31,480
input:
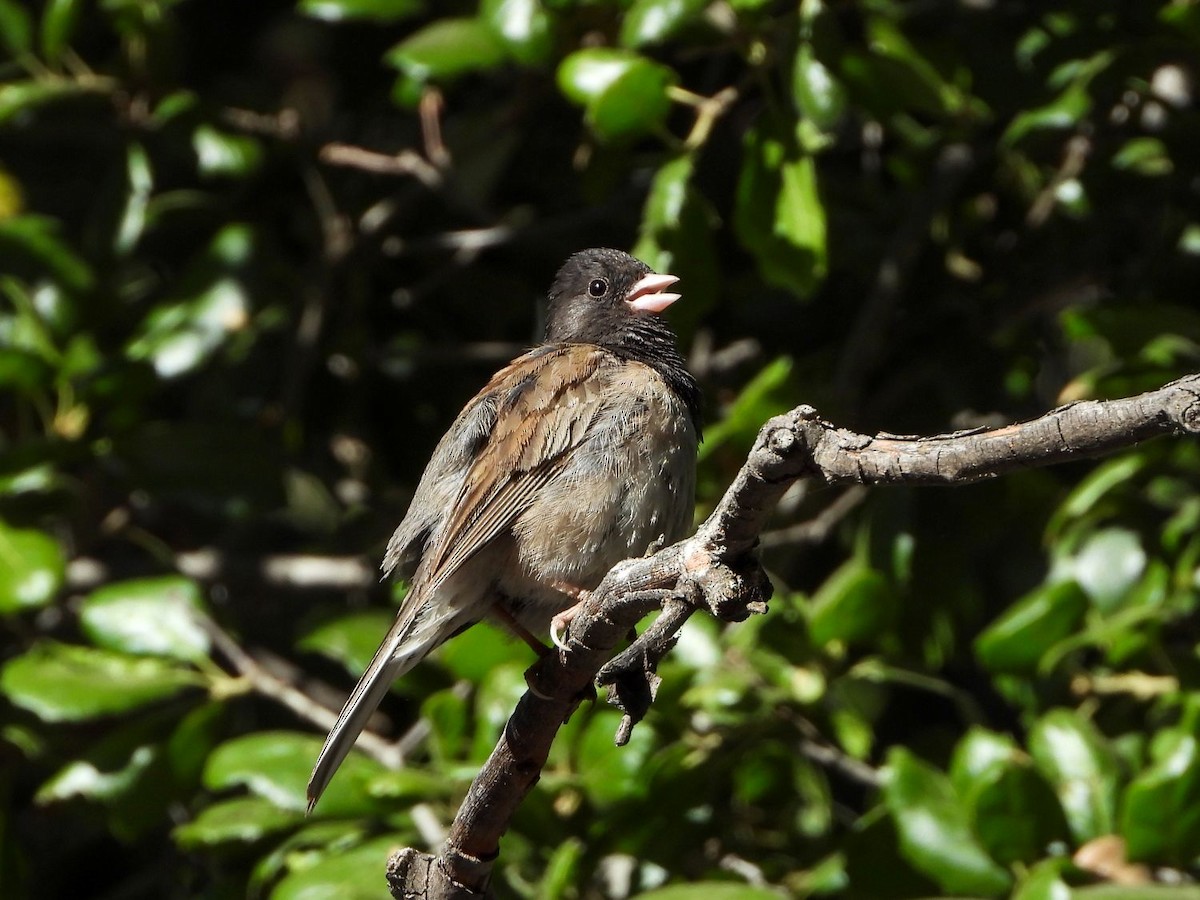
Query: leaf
x,y
350,639
623,93
1108,565
223,155
16,30
151,616
818,95
447,48
763,397
709,890
853,604
934,831
82,778
138,188
778,215
36,241
66,683
179,336
481,650
59,18
241,820
1078,763
523,26
361,10
275,765
18,97
1018,640
32,568
653,21
1160,813
676,236
610,773
1147,156
347,875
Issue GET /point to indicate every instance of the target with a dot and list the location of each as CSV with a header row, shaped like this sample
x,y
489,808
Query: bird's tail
x,y
410,639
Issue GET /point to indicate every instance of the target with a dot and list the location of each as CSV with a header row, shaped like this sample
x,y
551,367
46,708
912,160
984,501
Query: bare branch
x,y
716,569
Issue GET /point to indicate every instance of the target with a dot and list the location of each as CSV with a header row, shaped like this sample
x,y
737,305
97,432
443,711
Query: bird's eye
x,y
598,287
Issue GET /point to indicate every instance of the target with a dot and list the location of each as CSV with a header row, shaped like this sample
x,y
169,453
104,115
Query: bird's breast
x,y
630,481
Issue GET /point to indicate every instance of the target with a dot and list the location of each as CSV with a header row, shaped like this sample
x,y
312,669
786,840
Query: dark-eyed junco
x,y
575,456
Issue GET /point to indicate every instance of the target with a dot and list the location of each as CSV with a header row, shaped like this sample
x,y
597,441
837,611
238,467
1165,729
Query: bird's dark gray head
x,y
608,298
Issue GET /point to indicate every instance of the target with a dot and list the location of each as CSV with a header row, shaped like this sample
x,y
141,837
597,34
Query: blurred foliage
x,y
229,332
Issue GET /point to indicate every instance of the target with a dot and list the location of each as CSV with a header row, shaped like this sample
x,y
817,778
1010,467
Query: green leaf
x,y
151,616
275,765
1160,815
349,875
763,397
83,778
623,93
1078,763
447,48
818,95
1146,156
710,890
1086,496
177,337
59,19
32,568
778,214
239,820
854,604
523,26
36,241
480,650
934,831
65,683
18,97
223,155
1108,565
610,773
1044,882
653,21
16,30
138,188
676,236
351,639
1068,109
361,10
1015,813
977,754
1017,641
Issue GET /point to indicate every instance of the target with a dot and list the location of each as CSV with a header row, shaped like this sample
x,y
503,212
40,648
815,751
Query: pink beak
x,y
647,294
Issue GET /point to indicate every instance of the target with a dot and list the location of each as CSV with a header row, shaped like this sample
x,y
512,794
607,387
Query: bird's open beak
x,y
647,294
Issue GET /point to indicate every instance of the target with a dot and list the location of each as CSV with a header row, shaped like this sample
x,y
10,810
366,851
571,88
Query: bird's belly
x,y
633,485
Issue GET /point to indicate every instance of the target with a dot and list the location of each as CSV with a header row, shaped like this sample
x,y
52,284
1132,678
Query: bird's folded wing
x,y
546,403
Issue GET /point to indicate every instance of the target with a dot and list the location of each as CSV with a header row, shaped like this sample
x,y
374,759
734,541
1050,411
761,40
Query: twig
x,y
406,162
389,754
816,529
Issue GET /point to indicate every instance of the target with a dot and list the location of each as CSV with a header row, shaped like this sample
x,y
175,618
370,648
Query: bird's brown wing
x,y
546,402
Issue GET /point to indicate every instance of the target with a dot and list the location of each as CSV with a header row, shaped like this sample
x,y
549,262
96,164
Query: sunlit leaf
x,y
154,616
61,682
32,568
934,829
354,10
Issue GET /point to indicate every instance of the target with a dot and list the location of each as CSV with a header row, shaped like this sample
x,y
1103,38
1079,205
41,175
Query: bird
x,y
576,455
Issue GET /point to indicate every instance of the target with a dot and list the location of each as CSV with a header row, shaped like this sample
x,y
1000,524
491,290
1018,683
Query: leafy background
x,y
255,256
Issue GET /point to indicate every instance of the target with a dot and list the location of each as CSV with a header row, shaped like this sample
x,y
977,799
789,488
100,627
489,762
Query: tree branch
x,y
715,569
